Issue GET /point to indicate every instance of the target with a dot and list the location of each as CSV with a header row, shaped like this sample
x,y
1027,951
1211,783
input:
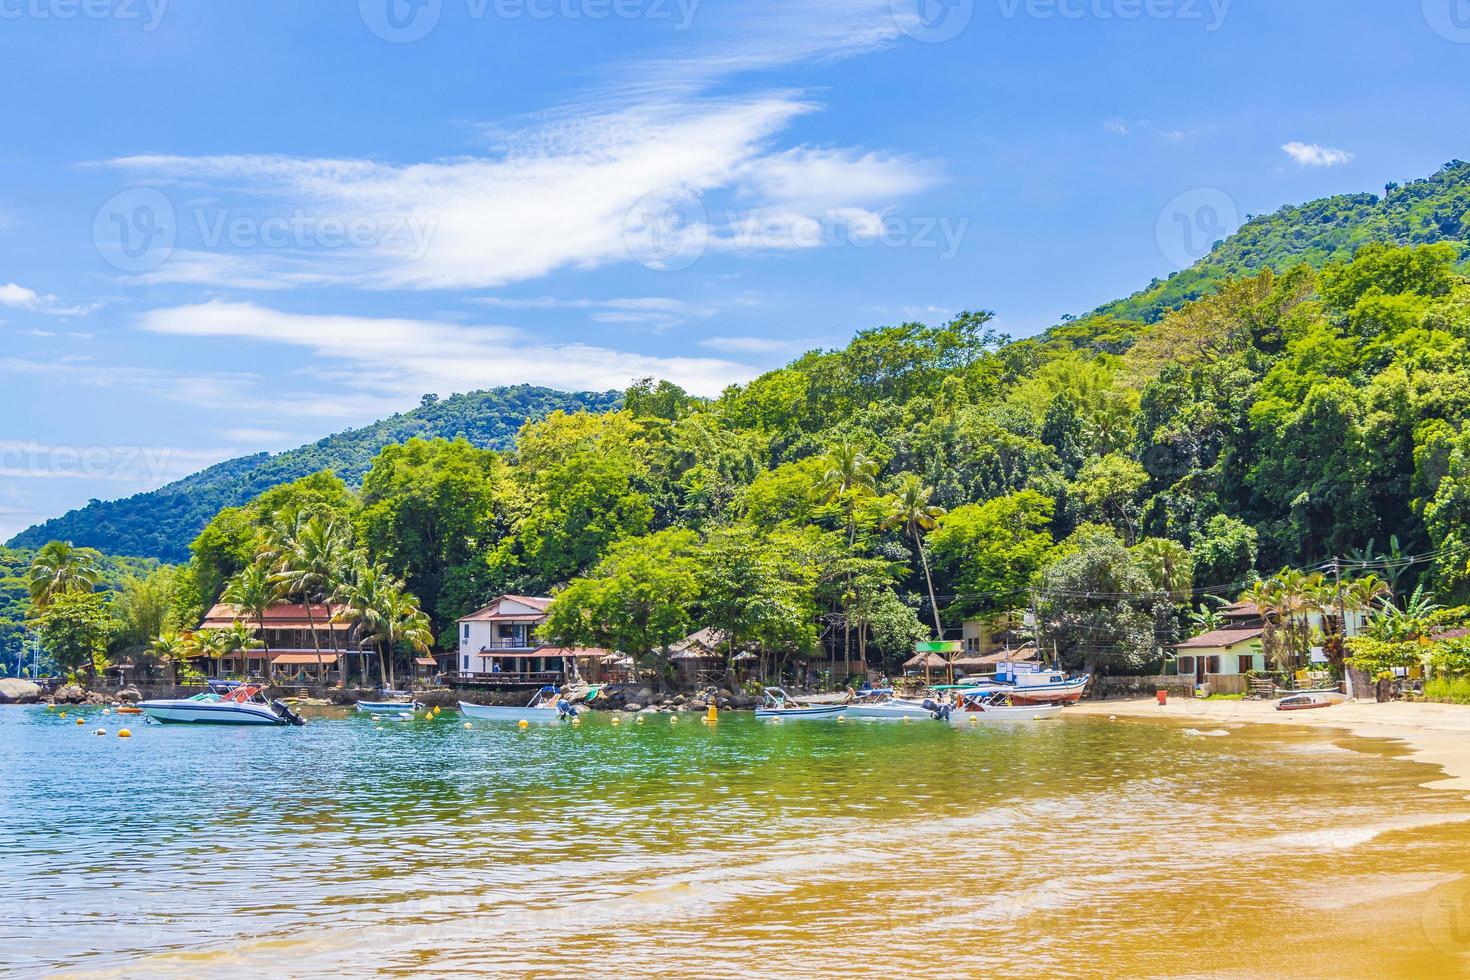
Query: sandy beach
x,y
1438,734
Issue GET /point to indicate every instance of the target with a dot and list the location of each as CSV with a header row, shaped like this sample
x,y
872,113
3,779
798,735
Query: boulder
x,y
13,690
633,706
130,694
70,694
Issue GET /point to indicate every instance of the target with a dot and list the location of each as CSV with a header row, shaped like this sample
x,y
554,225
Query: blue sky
x,y
228,227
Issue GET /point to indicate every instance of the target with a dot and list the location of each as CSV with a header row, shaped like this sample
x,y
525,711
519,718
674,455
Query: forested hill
x,y
161,523
1422,212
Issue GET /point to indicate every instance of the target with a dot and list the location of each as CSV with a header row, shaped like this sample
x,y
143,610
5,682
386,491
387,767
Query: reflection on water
x,y
1072,848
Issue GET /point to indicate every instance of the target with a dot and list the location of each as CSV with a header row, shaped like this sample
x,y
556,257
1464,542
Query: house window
x,y
466,632
466,663
1247,662
1186,666
1212,665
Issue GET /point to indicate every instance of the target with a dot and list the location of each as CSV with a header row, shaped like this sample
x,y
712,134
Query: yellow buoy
x,y
525,723
576,721
468,725
616,720
107,711
50,707
905,719
775,721
124,733
673,719
63,714
973,719
841,718
640,719
81,721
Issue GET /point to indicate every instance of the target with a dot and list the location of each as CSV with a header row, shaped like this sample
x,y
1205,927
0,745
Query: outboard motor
x,y
939,711
284,712
566,709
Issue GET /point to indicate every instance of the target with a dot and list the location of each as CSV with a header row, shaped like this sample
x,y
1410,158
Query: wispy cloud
x,y
19,297
417,356
1119,126
751,345
1315,155
656,312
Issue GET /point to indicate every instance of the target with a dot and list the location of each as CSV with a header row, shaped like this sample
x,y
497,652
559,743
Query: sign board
x,y
938,646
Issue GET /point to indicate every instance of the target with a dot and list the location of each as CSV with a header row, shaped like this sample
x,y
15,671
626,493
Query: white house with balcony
x,y
501,637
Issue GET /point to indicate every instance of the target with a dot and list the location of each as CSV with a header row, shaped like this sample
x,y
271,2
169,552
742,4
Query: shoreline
x,y
1437,734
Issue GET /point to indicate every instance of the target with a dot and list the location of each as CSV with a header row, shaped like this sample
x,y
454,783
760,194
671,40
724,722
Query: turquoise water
x,y
1080,847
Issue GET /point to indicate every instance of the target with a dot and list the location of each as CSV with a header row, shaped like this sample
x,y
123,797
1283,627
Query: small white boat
x,y
882,704
222,704
995,706
389,707
780,705
1302,700
547,705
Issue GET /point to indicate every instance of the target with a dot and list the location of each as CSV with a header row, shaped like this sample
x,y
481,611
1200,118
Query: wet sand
x,y
1437,734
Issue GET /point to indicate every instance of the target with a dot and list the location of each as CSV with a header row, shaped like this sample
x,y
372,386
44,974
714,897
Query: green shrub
x,y
1448,689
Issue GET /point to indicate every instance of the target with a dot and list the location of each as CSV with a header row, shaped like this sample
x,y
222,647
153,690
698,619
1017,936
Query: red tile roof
x,y
286,616
1221,638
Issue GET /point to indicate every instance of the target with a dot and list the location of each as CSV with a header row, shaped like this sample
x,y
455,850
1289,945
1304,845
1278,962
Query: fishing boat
x,y
996,706
223,704
881,703
1035,687
547,705
780,705
1304,700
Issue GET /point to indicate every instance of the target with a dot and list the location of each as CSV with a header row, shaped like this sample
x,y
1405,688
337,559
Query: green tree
x,y
73,627
992,552
311,556
911,509
59,569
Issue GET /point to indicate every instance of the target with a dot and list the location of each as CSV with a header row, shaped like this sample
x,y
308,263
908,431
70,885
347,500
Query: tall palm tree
x,y
363,597
405,622
848,474
59,568
910,509
253,592
312,555
212,644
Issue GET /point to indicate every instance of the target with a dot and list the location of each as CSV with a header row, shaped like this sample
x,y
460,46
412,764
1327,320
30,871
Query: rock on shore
x,y
13,690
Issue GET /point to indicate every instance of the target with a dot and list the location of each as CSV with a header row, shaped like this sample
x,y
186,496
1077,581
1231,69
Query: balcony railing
x,y
511,644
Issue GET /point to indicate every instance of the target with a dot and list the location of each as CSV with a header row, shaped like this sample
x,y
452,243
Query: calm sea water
x,y
1079,847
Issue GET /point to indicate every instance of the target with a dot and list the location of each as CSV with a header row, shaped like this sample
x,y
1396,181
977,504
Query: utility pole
x,y
1347,674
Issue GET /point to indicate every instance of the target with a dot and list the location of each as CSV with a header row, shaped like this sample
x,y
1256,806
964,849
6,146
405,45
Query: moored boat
x,y
547,705
995,706
222,704
882,704
780,705
1304,700
1036,687
388,707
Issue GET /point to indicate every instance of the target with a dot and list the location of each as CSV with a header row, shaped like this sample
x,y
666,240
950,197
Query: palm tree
x,y
311,556
848,473
405,622
910,509
59,568
363,598
212,644
253,591
169,647
240,639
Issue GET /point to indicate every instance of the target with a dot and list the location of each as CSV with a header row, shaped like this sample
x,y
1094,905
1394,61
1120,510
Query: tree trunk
x,y
316,643
341,660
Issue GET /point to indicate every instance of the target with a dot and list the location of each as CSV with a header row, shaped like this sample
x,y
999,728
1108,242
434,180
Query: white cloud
x,y
19,297
1314,155
410,357
748,345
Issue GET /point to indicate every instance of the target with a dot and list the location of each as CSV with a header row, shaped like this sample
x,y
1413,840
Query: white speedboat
x,y
882,704
1301,700
547,705
222,704
389,707
994,706
780,705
